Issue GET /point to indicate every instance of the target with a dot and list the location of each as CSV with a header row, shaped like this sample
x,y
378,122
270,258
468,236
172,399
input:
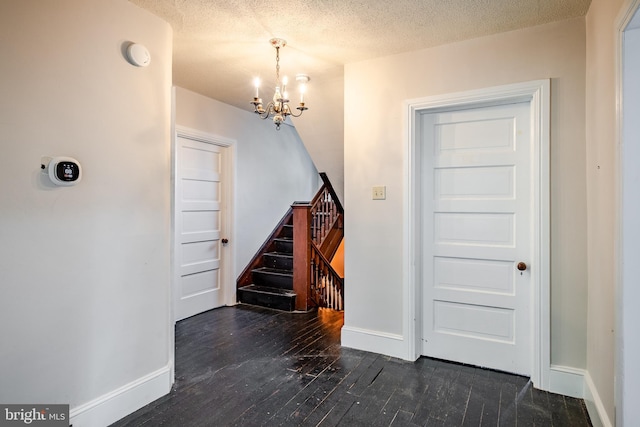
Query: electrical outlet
x,y
379,192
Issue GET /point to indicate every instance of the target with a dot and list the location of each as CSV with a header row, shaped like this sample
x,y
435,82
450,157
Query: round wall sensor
x,y
138,55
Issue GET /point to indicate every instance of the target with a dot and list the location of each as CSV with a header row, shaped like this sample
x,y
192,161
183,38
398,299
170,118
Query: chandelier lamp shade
x,y
278,108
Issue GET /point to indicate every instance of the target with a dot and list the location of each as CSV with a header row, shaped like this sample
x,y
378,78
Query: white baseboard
x,y
562,379
595,407
119,403
374,341
566,380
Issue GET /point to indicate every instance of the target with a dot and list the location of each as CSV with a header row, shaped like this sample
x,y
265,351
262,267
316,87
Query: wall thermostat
x,y
63,171
138,55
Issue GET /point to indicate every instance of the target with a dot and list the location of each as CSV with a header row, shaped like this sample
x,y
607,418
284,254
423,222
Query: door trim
x,y
537,93
627,346
228,261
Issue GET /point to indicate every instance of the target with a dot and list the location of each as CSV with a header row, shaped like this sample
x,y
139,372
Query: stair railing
x,y
326,285
324,214
317,233
326,218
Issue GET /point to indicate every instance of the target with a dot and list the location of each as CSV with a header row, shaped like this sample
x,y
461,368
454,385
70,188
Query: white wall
x,y
602,172
374,147
601,202
322,128
84,270
273,168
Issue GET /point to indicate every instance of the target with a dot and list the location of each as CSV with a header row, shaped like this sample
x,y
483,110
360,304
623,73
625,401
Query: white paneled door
x,y
477,234
199,227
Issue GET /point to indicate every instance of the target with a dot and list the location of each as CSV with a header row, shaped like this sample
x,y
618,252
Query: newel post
x,y
302,254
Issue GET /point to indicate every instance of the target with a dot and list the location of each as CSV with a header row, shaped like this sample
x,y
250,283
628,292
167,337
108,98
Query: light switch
x,y
379,192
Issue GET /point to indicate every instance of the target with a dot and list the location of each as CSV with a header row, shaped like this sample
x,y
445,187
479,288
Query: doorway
x,y
477,233
202,251
467,297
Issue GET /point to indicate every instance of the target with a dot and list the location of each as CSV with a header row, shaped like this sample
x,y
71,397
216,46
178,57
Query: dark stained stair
x,y
272,281
294,272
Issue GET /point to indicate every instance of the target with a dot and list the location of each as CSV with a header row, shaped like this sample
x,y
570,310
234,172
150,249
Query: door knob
x,y
522,266
225,241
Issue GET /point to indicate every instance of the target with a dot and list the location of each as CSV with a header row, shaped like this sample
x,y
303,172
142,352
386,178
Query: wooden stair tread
x,y
280,254
275,271
269,277
265,296
268,290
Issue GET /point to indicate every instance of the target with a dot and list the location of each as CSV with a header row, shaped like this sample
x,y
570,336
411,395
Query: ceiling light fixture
x,y
279,108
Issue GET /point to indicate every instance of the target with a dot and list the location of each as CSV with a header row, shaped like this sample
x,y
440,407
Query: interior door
x,y
477,234
199,227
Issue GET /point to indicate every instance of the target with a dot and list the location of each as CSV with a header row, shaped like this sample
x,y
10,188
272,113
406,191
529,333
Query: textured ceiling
x,y
220,45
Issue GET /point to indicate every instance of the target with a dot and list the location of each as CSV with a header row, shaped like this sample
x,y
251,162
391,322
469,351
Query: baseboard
x,y
595,407
374,341
566,380
119,403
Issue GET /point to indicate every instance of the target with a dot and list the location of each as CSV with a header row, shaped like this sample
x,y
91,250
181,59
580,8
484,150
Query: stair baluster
x,y
291,271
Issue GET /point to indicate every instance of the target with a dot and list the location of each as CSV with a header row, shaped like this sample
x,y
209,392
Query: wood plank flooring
x,y
249,366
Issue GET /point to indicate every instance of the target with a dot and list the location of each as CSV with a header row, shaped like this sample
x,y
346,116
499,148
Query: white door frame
x,y
627,388
228,260
537,93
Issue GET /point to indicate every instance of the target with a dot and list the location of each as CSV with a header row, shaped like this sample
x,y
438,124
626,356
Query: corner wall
x,y
374,148
322,128
273,168
84,273
602,200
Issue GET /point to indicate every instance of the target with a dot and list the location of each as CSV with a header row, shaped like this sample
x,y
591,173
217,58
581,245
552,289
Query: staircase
x,y
272,282
292,270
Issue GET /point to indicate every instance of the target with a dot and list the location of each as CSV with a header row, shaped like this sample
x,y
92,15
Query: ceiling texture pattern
x,y
221,45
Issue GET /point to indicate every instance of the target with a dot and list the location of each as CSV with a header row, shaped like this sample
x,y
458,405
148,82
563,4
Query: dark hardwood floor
x,y
248,366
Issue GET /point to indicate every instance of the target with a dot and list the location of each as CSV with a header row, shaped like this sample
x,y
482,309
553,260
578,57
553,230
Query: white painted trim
x,y
538,94
172,268
229,177
566,380
201,136
121,402
595,407
411,229
374,341
627,12
230,295
623,279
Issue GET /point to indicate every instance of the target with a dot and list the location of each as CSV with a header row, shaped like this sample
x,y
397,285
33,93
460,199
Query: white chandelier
x,y
278,107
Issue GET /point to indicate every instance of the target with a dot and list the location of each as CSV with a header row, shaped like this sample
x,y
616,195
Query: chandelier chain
x,y
278,65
